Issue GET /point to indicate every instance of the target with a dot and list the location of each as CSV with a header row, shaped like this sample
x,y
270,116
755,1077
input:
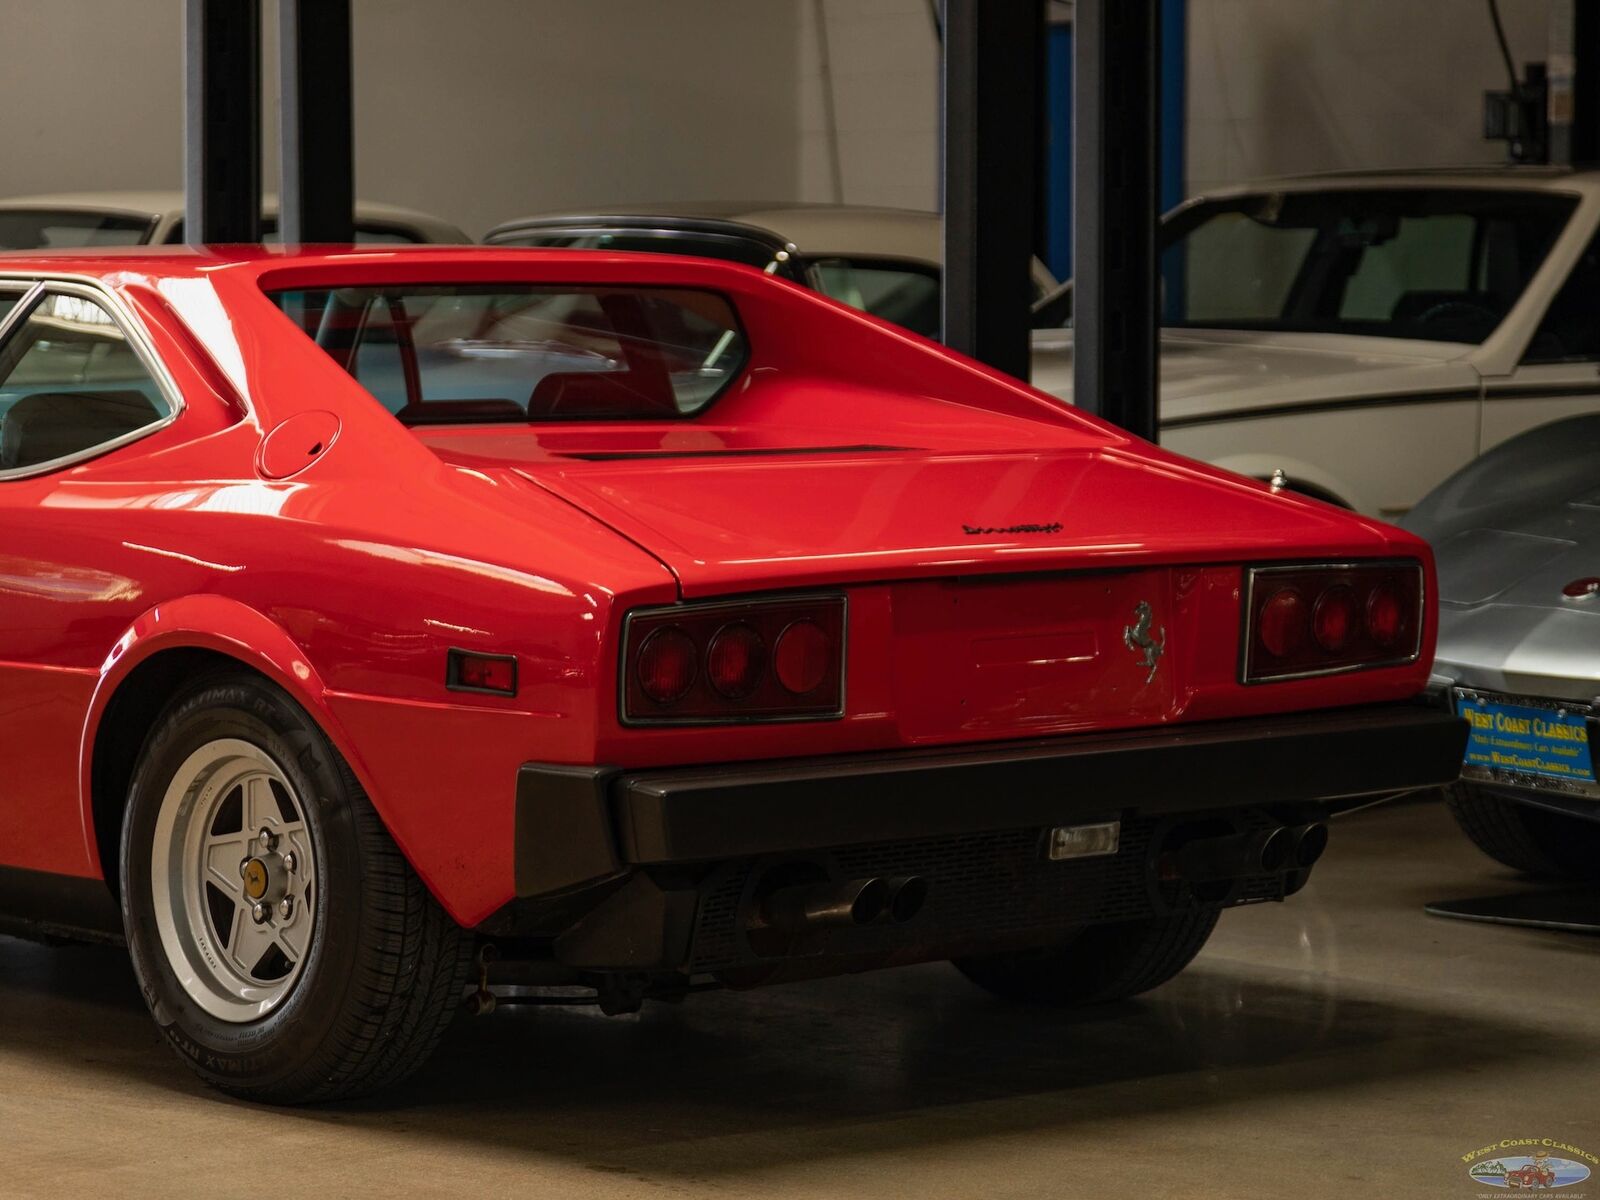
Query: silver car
x,y
1517,537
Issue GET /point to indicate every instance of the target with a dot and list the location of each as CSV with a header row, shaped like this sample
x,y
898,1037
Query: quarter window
x,y
899,292
71,383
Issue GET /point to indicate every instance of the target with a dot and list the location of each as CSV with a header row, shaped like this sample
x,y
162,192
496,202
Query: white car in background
x,y
1369,335
156,218
884,261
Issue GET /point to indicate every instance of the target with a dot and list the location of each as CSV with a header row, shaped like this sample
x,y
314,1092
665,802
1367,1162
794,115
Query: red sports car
x,y
651,621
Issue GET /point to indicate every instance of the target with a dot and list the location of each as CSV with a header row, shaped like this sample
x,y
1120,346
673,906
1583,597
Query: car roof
x,y
817,230
1531,178
155,205
119,263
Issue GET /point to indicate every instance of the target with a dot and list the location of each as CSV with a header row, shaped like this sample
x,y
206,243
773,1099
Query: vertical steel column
x,y
1116,97
316,134
1584,147
993,51
222,121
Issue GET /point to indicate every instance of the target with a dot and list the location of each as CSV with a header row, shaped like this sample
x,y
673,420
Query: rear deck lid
x,y
738,522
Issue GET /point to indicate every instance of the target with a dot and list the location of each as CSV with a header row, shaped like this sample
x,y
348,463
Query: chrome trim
x,y
1251,574
28,295
698,608
89,288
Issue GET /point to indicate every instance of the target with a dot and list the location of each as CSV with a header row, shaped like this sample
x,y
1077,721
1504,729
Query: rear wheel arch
x,y
130,713
159,658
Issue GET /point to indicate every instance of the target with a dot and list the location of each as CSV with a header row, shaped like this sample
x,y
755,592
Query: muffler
x,y
1214,859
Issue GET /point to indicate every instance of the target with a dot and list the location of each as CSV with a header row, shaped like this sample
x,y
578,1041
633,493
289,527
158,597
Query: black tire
x,y
386,967
1532,840
1101,964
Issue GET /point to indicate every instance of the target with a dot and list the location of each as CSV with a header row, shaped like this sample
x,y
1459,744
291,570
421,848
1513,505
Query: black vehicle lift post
x,y
993,67
316,127
1116,185
222,121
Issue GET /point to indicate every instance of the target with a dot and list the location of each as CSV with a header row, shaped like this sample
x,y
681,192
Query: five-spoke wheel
x,y
233,873
283,943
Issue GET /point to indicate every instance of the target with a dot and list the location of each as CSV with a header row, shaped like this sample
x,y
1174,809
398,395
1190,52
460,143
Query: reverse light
x,y
1324,619
734,661
802,658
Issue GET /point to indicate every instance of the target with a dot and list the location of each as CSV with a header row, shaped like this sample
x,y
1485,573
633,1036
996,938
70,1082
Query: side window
x,y
8,301
70,382
1570,330
900,292
1426,265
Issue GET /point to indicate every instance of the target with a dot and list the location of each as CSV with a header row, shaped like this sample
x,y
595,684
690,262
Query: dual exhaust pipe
x,y
1236,856
837,904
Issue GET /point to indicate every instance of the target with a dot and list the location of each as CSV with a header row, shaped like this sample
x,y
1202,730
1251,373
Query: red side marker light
x,y
1582,589
467,671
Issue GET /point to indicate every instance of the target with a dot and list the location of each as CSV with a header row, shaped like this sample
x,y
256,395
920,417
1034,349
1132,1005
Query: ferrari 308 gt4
x,y
652,622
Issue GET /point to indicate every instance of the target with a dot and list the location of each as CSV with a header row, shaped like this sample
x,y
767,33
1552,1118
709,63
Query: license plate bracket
x,y
1527,742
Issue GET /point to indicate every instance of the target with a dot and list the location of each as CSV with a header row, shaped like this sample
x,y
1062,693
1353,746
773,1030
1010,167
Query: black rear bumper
x,y
579,825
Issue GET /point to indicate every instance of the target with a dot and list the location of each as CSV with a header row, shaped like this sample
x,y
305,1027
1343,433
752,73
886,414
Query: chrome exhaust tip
x,y
832,903
907,895
1309,843
1235,856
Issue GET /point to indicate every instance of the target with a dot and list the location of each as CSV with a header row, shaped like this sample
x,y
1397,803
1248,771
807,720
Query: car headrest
x,y
577,395
50,425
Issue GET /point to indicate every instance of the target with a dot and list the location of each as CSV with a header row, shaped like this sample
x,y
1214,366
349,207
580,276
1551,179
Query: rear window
x,y
498,353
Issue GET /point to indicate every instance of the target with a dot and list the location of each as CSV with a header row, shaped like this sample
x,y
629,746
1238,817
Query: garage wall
x,y
882,59
1275,86
476,110
1316,85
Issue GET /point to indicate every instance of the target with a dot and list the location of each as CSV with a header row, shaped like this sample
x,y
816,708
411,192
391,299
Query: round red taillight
x,y
736,661
666,665
1283,624
1334,618
802,657
1386,617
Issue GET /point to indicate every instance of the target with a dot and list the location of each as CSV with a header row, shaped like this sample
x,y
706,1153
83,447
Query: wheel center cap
x,y
256,878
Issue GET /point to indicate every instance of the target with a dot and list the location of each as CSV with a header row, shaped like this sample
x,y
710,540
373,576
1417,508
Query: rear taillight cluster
x,y
1317,620
759,660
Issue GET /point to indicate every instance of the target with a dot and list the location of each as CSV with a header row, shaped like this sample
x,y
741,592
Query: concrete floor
x,y
1340,1044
